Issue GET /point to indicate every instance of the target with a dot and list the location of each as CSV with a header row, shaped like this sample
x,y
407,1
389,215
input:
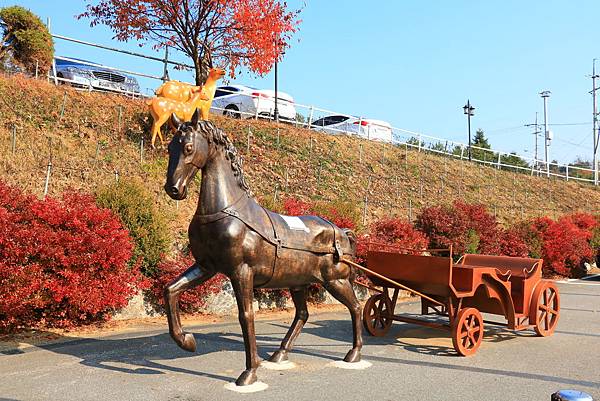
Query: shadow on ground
x,y
146,355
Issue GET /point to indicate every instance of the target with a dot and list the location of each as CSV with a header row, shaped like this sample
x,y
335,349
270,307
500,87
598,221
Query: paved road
x,y
410,363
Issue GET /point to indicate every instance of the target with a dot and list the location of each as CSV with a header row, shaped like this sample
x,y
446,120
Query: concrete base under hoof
x,y
355,366
278,366
251,388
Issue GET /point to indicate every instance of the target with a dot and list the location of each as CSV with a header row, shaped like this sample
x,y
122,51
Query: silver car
x,y
85,74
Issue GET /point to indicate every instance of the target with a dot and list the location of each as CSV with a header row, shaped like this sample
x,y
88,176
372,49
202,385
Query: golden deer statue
x,y
162,107
175,90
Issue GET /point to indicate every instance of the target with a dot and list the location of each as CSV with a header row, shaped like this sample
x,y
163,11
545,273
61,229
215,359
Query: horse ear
x,y
175,121
196,117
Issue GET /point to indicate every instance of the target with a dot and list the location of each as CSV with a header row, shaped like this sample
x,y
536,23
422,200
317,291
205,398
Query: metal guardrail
x,y
310,113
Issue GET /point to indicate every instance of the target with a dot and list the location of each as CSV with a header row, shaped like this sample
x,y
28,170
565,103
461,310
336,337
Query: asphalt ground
x,y
410,363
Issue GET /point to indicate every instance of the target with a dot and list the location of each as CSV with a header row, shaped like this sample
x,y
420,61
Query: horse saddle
x,y
303,233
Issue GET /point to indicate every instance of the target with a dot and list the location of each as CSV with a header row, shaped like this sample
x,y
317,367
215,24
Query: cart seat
x,y
520,269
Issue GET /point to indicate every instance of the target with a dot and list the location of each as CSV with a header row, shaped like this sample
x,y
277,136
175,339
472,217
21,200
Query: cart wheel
x,y
377,315
545,308
467,332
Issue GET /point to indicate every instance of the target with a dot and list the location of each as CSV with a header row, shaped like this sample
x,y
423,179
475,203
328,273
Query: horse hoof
x,y
186,342
279,356
246,378
352,356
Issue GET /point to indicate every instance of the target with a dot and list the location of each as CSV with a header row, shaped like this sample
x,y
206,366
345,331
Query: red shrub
x,y
342,214
392,231
562,244
296,207
192,300
468,228
513,244
61,262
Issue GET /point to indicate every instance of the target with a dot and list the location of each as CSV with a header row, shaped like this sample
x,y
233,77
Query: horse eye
x,y
188,148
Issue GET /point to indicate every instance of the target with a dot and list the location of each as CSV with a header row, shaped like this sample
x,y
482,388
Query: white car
x,y
241,101
369,128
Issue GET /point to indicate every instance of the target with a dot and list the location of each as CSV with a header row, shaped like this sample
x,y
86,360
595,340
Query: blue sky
x,y
415,63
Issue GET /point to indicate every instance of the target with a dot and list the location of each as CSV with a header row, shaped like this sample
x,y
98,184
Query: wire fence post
x,y
366,204
310,116
498,164
275,193
462,151
37,68
119,119
248,141
97,153
48,173
360,153
13,142
405,155
567,173
116,175
62,109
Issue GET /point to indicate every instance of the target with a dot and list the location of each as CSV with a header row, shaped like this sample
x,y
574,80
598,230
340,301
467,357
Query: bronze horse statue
x,y
232,234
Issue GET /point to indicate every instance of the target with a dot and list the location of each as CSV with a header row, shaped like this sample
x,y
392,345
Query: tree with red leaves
x,y
250,33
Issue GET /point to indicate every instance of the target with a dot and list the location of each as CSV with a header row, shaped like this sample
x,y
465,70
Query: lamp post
x,y
276,110
469,111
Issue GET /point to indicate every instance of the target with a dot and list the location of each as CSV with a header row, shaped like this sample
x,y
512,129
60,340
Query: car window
x,y
319,123
338,119
225,90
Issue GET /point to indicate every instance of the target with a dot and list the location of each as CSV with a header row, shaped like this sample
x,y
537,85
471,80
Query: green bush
x,y
130,201
26,40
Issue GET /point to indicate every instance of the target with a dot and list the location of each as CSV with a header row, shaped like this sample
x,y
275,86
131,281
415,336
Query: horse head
x,y
188,153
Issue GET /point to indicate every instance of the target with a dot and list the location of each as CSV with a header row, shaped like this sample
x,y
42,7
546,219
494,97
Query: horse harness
x,y
273,235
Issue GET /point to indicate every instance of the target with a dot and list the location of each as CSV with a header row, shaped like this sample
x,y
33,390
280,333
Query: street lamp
x,y
276,110
469,111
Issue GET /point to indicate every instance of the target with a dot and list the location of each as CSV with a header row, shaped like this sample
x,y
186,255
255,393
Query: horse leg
x,y
299,298
190,278
342,291
242,282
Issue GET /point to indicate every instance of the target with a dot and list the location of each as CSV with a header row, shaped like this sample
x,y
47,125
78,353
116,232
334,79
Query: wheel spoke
x,y
552,296
547,321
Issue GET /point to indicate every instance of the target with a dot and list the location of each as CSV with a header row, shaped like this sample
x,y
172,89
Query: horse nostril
x,y
173,190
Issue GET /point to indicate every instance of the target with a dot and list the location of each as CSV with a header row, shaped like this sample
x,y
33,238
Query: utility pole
x,y
545,95
536,132
595,120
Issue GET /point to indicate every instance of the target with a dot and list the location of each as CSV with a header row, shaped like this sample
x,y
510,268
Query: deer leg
x,y
242,281
299,298
156,125
190,278
342,291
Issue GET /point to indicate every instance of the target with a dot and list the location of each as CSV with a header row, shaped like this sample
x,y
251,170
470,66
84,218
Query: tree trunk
x,y
202,66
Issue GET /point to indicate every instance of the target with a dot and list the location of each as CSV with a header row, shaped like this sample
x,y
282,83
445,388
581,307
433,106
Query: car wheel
x,y
232,111
61,76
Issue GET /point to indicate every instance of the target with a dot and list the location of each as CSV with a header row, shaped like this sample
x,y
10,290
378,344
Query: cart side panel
x,y
428,274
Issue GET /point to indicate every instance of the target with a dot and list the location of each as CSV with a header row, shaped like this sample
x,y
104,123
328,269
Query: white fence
x,y
307,114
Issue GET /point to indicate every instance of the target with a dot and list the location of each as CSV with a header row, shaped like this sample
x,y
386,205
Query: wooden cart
x,y
506,286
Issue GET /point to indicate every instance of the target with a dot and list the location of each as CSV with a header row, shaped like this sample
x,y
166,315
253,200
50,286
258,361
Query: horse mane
x,y
217,136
